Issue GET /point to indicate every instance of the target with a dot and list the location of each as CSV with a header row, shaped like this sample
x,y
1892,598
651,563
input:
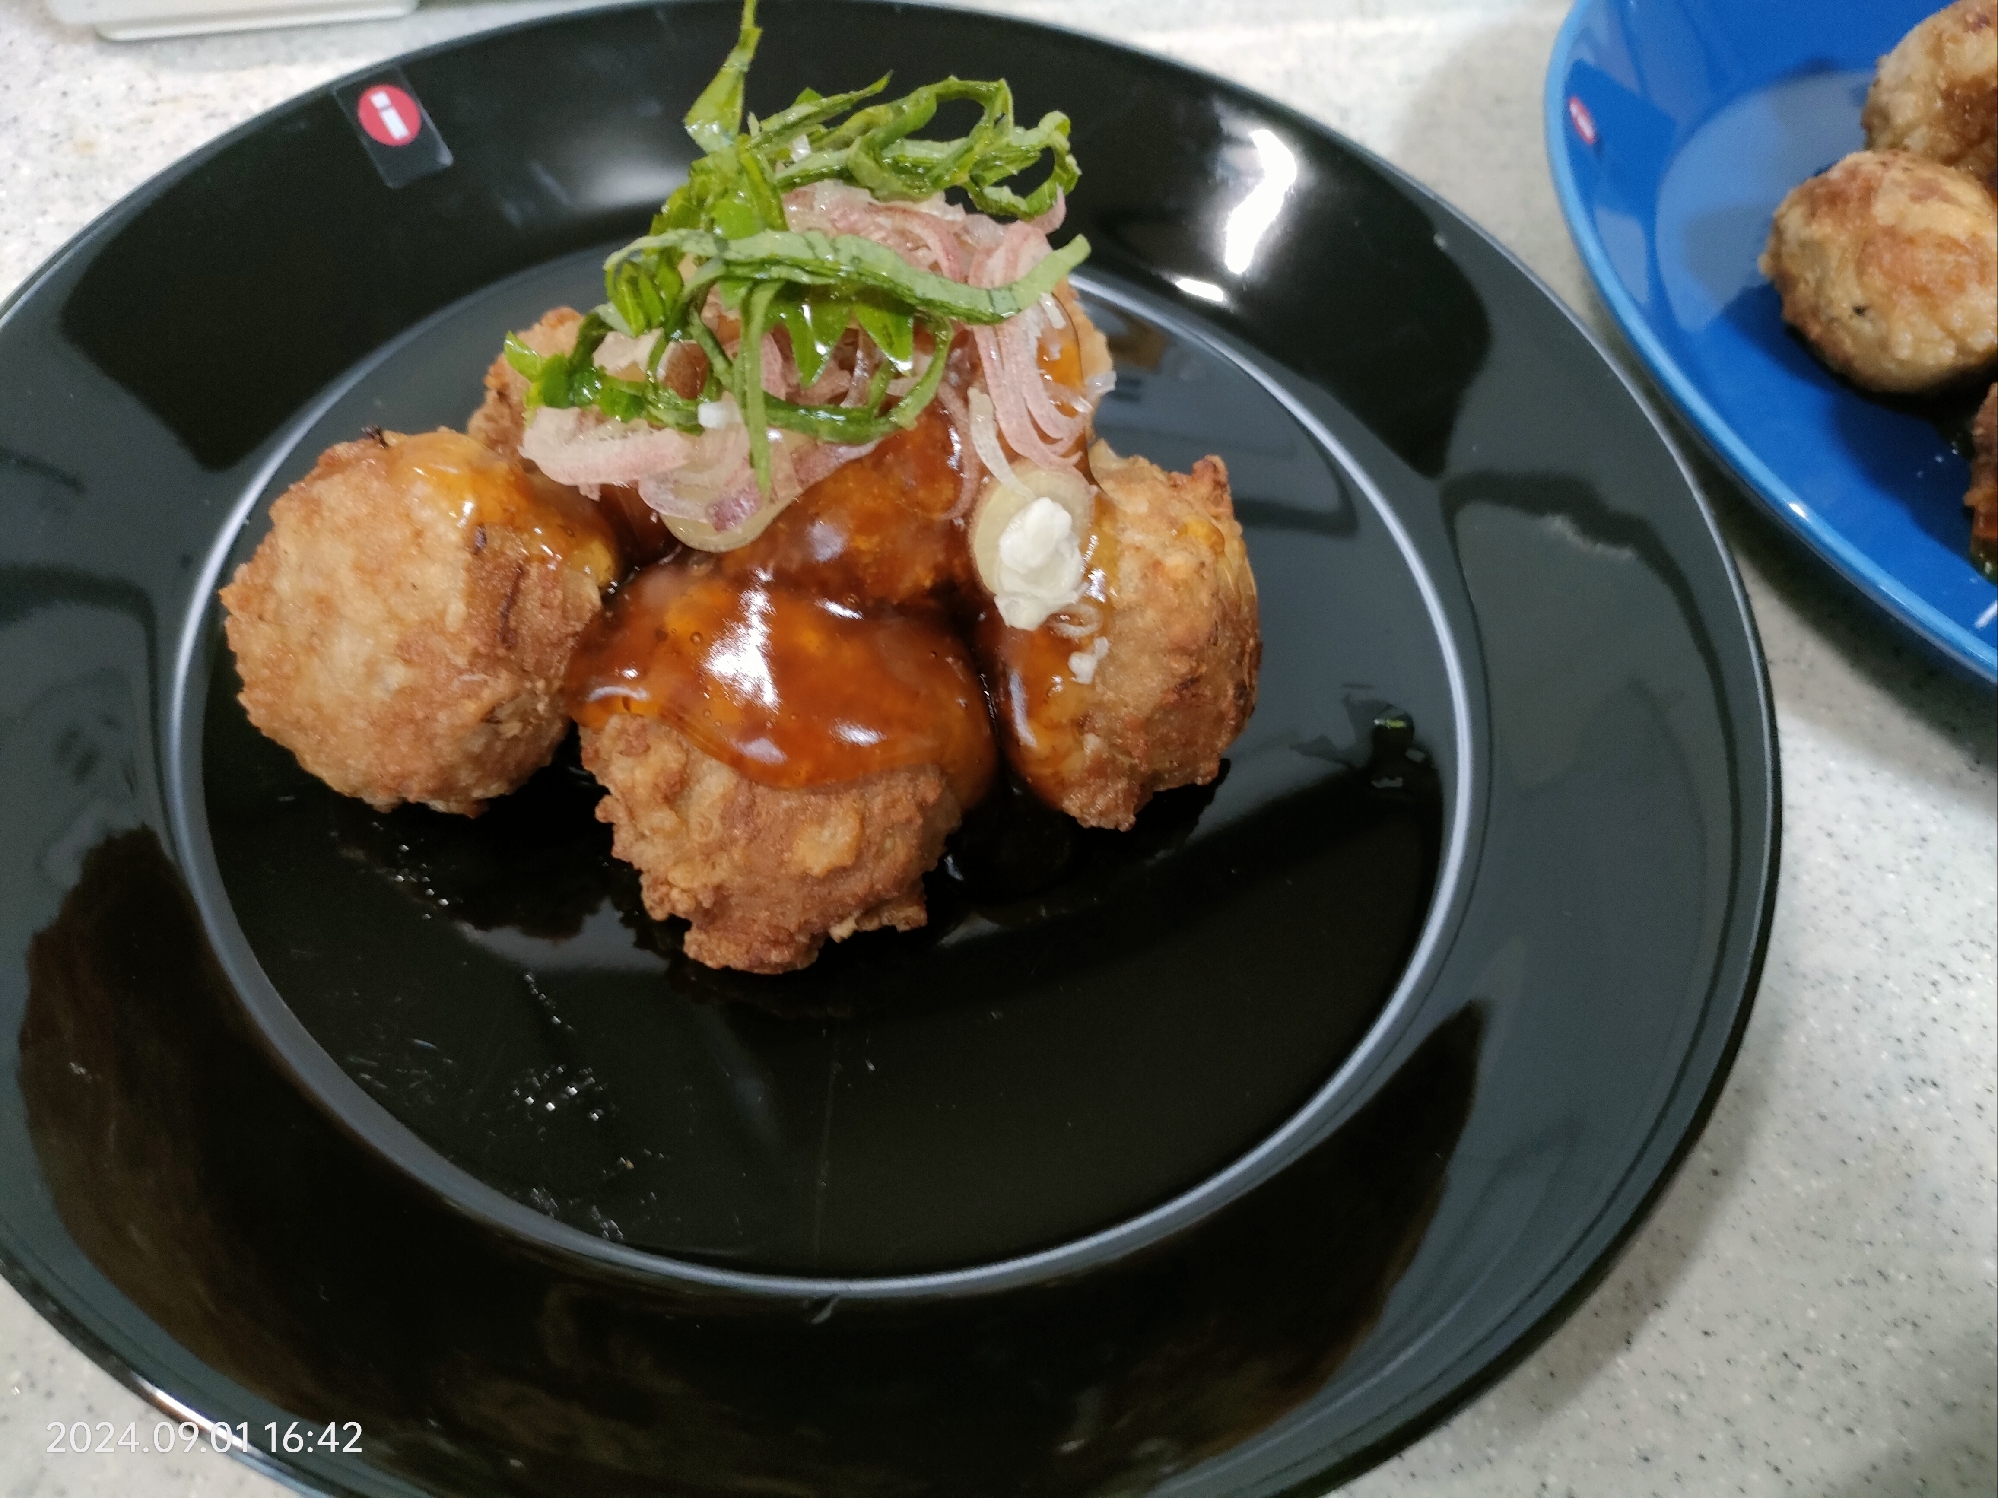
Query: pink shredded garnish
x,y
1010,407
690,491
1050,221
864,357
935,237
834,381
1012,369
950,395
920,235
573,450
1019,346
726,513
708,475
780,374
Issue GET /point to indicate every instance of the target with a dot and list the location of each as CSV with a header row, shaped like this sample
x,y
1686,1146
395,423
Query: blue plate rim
x,y
1956,643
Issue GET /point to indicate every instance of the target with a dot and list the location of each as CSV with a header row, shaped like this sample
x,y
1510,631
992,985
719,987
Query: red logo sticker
x,y
1578,116
389,115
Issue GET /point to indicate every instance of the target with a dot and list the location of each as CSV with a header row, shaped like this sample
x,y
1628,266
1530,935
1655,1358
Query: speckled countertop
x,y
1813,1307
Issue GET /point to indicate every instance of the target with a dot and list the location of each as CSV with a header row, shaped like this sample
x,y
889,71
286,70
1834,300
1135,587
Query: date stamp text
x,y
272,1438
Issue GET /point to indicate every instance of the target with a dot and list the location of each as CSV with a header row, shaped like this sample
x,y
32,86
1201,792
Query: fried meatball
x,y
764,874
1142,685
1888,264
1936,93
405,626
781,767
501,418
1982,499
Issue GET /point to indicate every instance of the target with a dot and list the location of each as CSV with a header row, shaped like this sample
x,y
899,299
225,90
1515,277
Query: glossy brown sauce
x,y
486,491
823,652
788,687
1036,694
1060,357
639,529
878,530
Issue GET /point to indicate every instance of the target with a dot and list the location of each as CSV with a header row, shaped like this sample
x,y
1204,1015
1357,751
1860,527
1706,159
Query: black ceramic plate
x,y
1221,1156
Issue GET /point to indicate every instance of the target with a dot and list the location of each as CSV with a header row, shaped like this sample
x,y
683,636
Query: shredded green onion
x,y
725,231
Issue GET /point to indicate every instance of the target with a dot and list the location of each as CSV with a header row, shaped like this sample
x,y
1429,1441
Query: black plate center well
x,y
1092,1023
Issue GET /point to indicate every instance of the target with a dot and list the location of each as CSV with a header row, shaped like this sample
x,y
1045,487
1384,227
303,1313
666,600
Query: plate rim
x,y
1879,585
1763,843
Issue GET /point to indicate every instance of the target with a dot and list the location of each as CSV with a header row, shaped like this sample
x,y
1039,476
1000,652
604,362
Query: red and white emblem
x,y
1578,116
389,115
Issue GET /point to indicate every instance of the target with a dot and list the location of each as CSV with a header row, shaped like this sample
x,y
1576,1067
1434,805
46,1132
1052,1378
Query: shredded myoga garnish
x,y
810,291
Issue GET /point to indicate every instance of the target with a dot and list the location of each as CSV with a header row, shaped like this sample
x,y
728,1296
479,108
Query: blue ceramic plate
x,y
1674,127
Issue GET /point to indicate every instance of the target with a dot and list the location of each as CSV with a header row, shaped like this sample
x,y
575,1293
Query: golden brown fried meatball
x,y
765,874
1888,264
781,767
500,419
1936,93
405,626
1982,499
1140,687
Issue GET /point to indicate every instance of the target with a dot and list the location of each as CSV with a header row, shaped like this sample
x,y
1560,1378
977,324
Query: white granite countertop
x,y
1813,1306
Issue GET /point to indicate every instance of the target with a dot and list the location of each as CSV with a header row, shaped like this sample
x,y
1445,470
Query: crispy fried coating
x,y
1098,723
501,417
1936,93
1179,679
405,626
1888,264
765,874
1982,499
